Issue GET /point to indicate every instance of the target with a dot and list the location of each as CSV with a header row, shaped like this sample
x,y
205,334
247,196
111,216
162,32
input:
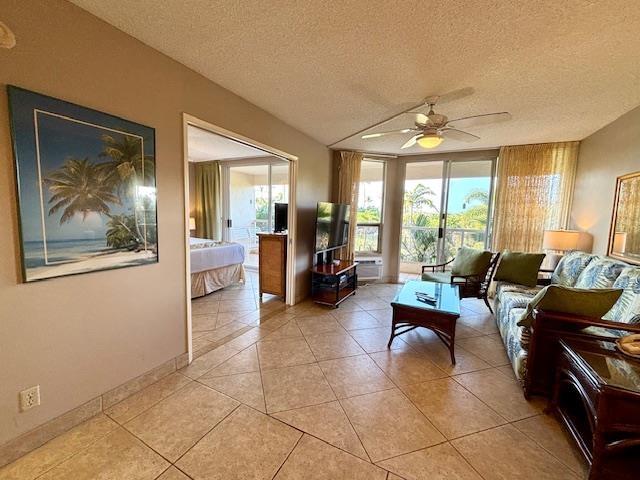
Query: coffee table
x,y
439,316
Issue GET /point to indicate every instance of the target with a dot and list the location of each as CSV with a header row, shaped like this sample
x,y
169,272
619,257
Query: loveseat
x,y
578,270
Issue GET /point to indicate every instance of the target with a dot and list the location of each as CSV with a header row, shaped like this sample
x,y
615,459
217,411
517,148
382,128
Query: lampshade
x,y
192,223
619,242
564,240
430,140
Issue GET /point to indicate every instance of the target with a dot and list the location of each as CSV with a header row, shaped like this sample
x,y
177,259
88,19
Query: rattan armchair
x,y
470,286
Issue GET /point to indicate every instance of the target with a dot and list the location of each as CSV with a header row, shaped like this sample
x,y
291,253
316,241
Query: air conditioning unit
x,y
369,267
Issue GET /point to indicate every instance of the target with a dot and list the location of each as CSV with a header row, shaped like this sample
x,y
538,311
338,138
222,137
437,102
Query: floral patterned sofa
x,y
578,270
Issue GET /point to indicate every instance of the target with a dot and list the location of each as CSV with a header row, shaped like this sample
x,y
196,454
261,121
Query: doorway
x,y
201,142
446,205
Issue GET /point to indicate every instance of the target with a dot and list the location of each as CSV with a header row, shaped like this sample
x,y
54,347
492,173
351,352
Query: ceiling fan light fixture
x,y
430,140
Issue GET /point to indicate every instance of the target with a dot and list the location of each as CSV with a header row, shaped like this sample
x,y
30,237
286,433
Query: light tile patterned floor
x,y
312,393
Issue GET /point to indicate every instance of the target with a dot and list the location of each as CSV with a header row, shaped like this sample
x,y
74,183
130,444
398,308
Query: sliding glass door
x,y
447,204
420,242
250,192
468,206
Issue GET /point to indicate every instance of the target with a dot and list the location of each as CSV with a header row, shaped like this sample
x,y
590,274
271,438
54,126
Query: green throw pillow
x,y
521,268
470,261
574,301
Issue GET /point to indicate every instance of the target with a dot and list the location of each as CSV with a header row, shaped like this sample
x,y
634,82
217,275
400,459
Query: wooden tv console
x,y
333,284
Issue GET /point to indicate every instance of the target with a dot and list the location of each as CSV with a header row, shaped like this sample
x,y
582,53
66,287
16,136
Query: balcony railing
x,y
247,234
420,244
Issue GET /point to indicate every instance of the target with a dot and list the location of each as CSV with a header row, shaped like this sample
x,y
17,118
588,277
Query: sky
x,y
459,188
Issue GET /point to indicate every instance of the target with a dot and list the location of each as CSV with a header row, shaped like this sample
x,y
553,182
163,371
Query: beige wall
x,y
80,336
608,153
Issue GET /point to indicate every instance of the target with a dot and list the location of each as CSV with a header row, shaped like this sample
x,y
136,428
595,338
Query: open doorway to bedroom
x,y
236,191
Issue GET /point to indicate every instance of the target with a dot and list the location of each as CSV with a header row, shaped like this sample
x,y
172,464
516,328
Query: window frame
x,y
380,224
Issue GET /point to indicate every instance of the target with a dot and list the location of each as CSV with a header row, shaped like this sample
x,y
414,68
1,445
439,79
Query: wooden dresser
x,y
272,263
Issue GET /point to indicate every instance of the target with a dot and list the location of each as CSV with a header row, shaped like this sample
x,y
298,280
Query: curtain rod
x,y
367,154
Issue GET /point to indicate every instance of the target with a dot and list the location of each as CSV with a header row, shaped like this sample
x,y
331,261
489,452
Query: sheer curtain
x,y
533,194
208,204
346,183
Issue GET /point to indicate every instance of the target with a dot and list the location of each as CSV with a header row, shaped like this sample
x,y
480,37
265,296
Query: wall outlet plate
x,y
30,398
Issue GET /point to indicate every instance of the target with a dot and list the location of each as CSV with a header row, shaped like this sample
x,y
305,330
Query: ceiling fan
x,y
432,128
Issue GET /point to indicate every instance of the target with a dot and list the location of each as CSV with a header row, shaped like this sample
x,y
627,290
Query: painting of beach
x,y
86,187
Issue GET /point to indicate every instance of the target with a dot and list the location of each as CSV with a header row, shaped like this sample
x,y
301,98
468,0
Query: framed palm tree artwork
x,y
86,188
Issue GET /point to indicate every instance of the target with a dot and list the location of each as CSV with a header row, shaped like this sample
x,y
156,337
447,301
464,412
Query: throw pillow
x,y
470,261
628,307
570,267
600,273
517,267
573,301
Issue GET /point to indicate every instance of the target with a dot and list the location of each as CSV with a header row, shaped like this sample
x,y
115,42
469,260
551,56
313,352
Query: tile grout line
x,y
345,413
208,431
467,461
288,455
264,395
75,453
579,474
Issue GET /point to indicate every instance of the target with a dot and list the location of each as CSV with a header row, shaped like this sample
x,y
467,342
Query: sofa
x,y
578,270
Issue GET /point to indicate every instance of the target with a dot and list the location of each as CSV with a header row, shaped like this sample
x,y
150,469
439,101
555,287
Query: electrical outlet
x,y
30,398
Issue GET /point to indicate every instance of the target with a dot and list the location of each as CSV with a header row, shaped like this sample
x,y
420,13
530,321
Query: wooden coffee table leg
x,y
452,339
393,329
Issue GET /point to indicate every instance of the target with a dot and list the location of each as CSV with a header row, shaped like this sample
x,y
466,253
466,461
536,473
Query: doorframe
x,y
290,295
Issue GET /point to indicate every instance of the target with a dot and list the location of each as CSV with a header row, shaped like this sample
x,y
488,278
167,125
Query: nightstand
x,y
597,397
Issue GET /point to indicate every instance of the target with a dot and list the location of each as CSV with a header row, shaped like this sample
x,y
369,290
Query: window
x,y
370,200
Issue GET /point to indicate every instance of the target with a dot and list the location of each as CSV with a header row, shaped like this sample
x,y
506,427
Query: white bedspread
x,y
220,255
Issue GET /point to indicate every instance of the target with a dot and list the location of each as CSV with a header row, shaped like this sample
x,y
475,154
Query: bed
x,y
215,265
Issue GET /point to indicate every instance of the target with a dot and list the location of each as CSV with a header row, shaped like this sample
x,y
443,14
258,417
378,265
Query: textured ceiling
x,y
205,146
562,68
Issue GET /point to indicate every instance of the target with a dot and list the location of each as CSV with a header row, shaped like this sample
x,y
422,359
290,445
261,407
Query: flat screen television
x,y
332,226
281,217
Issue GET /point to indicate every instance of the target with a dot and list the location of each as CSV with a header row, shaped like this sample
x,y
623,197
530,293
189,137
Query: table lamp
x,y
192,223
619,242
560,241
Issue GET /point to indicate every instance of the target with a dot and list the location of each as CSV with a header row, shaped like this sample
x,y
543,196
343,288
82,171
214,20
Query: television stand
x,y
333,284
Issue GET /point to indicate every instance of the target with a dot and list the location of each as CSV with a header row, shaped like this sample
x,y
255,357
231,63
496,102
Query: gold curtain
x,y
533,193
346,183
208,204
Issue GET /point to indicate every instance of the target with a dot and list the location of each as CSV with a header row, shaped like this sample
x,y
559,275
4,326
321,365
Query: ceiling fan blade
x,y
455,134
483,119
411,142
392,132
422,119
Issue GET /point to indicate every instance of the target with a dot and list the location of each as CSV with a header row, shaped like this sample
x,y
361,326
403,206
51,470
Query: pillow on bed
x,y
201,243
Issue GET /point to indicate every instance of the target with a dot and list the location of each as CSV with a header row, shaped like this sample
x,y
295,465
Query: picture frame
x,y
86,187
624,233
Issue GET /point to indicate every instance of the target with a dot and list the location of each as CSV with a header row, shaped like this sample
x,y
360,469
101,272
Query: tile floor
x,y
312,393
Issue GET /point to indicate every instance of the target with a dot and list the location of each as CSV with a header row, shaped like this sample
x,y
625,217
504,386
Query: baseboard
x,y
25,443
19,446
134,385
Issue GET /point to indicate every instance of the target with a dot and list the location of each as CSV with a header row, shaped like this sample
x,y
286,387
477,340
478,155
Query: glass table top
x,y
607,362
441,297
